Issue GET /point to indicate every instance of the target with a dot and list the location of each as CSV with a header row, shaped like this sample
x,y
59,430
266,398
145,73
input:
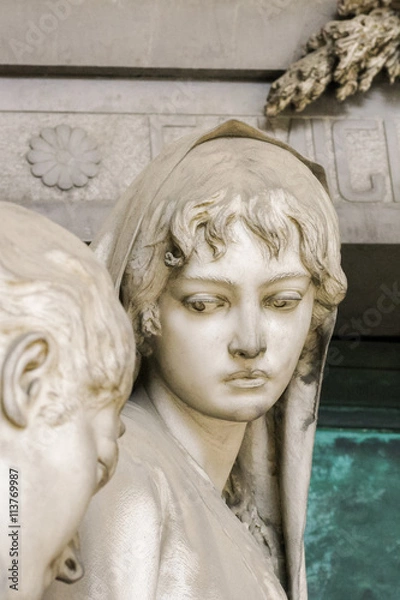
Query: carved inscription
x,y
374,188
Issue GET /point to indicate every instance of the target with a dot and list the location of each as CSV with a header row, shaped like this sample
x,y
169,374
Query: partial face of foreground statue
x,y
227,254
67,357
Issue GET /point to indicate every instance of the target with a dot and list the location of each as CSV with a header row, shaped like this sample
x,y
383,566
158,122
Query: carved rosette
x,y
64,157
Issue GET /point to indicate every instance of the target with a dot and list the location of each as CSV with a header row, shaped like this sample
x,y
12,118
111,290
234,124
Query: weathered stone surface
x,y
172,34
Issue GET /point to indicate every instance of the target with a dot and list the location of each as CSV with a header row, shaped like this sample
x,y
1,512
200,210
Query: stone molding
x,y
358,144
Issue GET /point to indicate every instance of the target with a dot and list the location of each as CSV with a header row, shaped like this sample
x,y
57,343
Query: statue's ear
x,y
26,362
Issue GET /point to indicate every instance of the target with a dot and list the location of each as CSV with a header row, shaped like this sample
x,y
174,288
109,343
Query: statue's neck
x,y
213,443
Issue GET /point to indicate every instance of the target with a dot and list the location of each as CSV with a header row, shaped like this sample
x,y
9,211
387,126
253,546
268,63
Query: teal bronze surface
x,y
353,529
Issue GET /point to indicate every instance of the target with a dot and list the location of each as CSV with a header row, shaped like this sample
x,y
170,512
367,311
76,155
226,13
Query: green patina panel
x,y
353,529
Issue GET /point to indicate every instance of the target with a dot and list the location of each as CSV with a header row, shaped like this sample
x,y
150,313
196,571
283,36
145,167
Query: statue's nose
x,y
249,336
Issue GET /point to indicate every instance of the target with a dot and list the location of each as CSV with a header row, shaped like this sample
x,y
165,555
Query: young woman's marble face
x,y
233,328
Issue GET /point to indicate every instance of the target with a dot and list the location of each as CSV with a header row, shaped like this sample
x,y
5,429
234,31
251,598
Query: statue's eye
x,y
198,305
203,304
283,302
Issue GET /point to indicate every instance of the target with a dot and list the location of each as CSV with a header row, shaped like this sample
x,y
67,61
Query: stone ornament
x,y
349,52
226,255
64,157
67,356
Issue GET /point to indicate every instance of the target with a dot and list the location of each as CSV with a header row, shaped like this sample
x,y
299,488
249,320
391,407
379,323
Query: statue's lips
x,y
247,379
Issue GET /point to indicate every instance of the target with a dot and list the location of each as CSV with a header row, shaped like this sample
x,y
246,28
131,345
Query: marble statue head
x,y
217,186
66,358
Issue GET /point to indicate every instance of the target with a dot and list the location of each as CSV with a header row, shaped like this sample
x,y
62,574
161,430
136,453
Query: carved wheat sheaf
x,y
348,52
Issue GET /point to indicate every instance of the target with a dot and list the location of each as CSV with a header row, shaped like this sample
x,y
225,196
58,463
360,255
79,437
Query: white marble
x,y
67,357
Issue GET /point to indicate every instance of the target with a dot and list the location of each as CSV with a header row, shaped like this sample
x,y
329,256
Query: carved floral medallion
x,y
63,156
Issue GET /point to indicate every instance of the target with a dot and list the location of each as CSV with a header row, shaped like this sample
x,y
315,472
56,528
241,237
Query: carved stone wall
x,y
358,143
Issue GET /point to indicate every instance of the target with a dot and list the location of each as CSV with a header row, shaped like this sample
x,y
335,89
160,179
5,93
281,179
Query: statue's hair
x,y
220,183
51,282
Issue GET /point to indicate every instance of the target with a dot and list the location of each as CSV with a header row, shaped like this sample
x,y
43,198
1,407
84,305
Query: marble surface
x,y
65,375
